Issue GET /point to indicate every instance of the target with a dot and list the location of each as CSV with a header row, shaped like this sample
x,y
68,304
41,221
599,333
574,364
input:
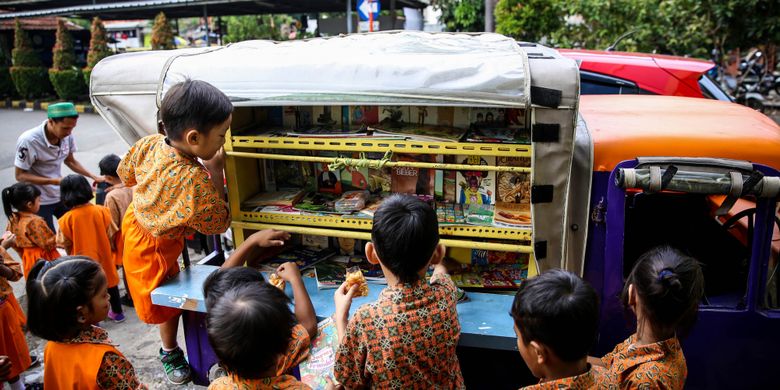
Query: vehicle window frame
x,y
711,90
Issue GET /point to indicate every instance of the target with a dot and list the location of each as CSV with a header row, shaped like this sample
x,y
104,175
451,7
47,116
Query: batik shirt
x,y
595,378
172,193
115,371
404,340
5,287
659,365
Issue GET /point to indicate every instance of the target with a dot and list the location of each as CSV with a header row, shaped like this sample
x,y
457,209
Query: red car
x,y
611,72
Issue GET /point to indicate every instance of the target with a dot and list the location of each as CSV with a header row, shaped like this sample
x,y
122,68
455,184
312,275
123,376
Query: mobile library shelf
x,y
588,192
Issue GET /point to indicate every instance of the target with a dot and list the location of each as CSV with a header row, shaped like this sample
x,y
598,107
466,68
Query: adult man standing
x,y
40,153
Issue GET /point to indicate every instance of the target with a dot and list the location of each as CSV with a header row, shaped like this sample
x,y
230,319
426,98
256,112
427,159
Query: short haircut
x,y
62,118
559,310
75,190
671,285
193,104
224,279
55,289
249,326
108,165
405,234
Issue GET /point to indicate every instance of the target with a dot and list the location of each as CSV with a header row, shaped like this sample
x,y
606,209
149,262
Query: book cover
x,y
316,202
513,193
423,115
363,115
277,198
487,117
393,116
327,180
326,117
305,258
474,186
478,214
410,180
429,133
330,274
322,356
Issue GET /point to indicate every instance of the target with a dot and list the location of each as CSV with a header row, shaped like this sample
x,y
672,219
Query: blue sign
x,y
366,7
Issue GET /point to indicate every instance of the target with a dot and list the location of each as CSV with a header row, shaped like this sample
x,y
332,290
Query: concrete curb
x,y
39,105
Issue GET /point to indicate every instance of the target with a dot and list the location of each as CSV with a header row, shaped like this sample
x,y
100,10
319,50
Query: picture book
x,y
326,117
496,276
379,180
430,133
423,115
316,202
478,214
277,198
393,116
507,135
354,178
475,186
452,116
291,174
411,180
297,117
322,356
450,213
266,168
305,258
363,115
315,242
450,188
330,274
327,180
513,193
487,117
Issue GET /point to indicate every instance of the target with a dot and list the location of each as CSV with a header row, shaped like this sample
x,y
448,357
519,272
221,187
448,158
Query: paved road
x,y
94,139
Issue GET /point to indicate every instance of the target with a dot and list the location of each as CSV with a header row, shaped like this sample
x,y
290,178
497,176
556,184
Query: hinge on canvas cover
x,y
540,250
545,132
546,97
541,194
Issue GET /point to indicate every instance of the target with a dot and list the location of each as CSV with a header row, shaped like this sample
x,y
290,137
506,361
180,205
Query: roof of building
x,y
43,23
624,127
147,9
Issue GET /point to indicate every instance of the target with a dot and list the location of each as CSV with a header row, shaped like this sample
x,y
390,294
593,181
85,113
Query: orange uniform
x,y
659,365
117,201
99,365
297,351
172,197
87,230
12,341
595,378
34,239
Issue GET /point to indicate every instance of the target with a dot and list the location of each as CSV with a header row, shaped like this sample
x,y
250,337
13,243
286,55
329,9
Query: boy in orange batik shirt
x,y
174,195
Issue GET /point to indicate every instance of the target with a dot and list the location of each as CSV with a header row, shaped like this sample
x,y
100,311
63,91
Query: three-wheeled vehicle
x,y
608,176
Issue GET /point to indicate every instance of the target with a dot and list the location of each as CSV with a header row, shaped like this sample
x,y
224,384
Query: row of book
x,y
499,197
422,123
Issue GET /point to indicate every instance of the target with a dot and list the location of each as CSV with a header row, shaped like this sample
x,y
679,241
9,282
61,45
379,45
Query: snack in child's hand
x,y
276,281
355,276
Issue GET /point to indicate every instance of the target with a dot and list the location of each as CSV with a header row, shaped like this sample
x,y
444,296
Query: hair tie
x,y
664,273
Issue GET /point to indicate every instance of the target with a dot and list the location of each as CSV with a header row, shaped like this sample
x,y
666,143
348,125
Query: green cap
x,y
61,110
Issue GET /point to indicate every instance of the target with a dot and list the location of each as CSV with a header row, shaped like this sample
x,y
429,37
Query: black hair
x,y
62,118
225,279
249,326
405,234
108,165
55,289
75,190
560,310
193,104
670,285
17,196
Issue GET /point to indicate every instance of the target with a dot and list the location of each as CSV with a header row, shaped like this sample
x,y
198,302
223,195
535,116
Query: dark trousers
x,y
49,211
114,300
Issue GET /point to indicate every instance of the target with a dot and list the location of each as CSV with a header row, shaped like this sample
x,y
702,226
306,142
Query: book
x,y
487,276
363,115
322,356
507,135
479,214
393,116
330,274
315,202
354,178
513,193
305,258
489,116
410,180
475,186
430,133
327,180
276,198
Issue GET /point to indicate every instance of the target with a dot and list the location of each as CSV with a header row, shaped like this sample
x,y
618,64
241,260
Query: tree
x,y
29,76
66,78
6,84
528,20
243,28
162,33
98,47
462,15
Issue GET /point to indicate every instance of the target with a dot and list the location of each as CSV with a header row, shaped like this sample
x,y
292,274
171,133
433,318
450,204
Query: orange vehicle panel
x,y
624,127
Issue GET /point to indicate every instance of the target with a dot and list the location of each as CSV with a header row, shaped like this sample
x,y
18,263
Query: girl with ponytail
x,y
34,240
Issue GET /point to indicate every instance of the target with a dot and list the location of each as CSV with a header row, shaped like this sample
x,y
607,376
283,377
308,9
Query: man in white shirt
x,y
40,153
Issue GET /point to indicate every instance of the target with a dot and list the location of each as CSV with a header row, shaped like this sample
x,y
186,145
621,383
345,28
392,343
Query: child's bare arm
x,y
304,310
64,242
248,249
343,300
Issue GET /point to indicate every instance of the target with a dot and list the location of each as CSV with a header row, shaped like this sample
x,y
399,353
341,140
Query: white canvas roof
x,y
403,68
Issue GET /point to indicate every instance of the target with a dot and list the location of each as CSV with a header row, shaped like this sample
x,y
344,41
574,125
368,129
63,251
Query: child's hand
x,y
269,237
332,385
5,368
9,239
343,300
289,272
216,164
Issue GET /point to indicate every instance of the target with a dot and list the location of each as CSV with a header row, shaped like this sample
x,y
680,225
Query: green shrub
x,y
6,84
69,83
98,47
31,81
